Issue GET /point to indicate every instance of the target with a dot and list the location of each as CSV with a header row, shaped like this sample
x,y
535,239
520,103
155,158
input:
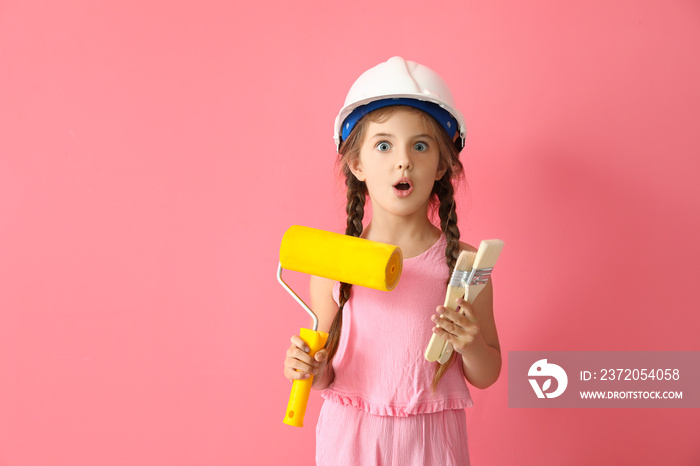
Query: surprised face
x,y
399,162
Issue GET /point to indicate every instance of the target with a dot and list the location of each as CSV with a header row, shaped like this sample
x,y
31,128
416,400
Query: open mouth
x,y
403,188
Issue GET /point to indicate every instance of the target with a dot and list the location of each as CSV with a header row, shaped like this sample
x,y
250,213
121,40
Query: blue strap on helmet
x,y
442,116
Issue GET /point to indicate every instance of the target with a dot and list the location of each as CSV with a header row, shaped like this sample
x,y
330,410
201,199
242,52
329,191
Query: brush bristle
x,y
465,261
488,253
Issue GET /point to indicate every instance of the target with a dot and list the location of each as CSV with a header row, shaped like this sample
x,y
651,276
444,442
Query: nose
x,y
404,161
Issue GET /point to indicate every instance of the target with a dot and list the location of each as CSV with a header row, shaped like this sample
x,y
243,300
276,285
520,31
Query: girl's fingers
x,y
457,327
448,314
455,324
299,366
300,350
321,356
444,334
446,325
296,375
466,310
463,317
295,353
295,369
449,319
299,343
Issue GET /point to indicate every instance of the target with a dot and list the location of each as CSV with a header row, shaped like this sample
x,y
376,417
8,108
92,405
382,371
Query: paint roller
x,y
337,257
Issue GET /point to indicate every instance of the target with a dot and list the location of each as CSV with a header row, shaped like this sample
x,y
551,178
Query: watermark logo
x,y
547,371
603,379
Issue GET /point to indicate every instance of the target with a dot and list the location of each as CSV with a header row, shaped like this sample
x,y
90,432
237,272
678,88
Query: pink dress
x,y
380,408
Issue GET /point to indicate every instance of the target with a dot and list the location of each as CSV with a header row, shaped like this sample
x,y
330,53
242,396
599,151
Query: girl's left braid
x,y
448,224
447,212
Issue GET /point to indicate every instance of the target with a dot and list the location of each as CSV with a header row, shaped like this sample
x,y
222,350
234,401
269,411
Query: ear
x,y
356,168
440,172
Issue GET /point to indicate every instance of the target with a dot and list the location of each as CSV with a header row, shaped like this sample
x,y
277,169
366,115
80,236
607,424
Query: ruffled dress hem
x,y
396,410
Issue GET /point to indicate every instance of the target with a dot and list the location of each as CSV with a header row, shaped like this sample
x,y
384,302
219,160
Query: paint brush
x,y
455,290
472,281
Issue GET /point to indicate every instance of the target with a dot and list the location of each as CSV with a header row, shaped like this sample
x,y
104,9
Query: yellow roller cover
x,y
340,257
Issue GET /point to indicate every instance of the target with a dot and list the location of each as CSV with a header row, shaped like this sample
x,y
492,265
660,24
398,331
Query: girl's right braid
x,y
355,209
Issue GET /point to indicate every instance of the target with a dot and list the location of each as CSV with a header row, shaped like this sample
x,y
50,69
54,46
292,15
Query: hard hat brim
x,y
451,120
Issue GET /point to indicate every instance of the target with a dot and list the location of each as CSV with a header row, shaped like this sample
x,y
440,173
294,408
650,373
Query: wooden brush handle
x,y
486,257
437,344
470,295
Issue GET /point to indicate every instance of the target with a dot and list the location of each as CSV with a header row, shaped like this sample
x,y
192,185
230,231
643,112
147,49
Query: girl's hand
x,y
460,327
299,365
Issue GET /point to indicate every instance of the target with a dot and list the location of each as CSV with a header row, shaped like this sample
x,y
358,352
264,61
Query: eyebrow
x,y
382,135
389,135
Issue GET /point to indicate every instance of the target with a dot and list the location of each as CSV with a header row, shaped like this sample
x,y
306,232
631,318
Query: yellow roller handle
x,y
299,397
341,258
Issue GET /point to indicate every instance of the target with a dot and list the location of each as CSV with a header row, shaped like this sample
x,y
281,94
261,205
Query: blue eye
x,y
420,147
383,146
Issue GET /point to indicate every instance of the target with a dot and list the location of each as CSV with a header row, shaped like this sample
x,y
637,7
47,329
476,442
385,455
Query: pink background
x,y
152,154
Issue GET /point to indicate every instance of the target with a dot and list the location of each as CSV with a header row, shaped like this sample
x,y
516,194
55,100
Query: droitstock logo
x,y
546,371
603,379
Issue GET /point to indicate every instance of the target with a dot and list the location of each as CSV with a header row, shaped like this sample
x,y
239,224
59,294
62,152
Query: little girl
x,y
398,138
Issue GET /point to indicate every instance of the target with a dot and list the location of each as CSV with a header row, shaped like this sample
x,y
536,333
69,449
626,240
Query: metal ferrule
x,y
459,278
464,278
480,276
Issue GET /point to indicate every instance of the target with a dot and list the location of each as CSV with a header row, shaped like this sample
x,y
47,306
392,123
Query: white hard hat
x,y
401,82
